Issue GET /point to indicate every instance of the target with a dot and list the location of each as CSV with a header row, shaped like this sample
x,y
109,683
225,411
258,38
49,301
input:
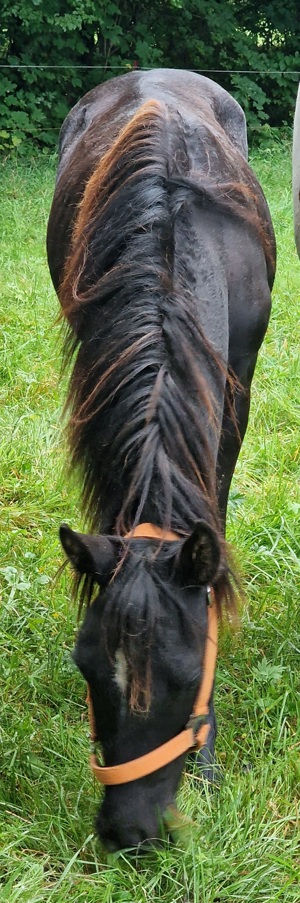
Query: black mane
x,y
138,383
147,388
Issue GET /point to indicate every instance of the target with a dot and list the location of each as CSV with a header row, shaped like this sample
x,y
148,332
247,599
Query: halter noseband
x,y
195,734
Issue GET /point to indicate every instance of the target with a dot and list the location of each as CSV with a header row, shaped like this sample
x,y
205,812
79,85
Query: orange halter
x,y
195,734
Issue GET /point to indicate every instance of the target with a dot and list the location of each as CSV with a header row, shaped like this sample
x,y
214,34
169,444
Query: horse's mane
x,y
141,408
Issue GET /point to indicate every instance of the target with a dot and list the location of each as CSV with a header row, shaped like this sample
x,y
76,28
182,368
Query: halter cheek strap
x,y
195,734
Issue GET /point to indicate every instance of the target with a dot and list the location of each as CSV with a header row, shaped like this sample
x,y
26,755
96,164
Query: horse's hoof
x,y
210,772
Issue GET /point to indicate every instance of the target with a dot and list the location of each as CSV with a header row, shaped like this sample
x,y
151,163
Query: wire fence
x,y
131,67
128,67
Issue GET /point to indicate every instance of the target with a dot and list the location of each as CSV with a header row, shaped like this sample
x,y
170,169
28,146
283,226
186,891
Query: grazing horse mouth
x,y
172,826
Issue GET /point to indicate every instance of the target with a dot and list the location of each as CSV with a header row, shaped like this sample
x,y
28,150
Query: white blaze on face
x,y
121,673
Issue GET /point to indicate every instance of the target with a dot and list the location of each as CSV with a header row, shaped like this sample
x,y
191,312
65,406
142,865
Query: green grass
x,y
245,842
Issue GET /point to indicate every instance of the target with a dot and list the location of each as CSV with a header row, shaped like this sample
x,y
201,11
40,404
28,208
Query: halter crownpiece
x,y
195,734
150,531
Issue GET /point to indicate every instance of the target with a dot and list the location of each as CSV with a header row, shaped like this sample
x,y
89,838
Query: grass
x,y
245,841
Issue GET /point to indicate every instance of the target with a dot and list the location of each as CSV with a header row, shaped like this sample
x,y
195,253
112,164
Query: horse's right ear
x,y
94,555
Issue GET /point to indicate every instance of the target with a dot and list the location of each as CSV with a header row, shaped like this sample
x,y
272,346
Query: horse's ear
x,y
200,554
94,555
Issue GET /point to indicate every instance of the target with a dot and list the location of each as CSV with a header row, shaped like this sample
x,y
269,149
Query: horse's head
x,y
140,649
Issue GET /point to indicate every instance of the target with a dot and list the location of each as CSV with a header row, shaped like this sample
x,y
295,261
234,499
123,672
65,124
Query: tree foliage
x,y
53,51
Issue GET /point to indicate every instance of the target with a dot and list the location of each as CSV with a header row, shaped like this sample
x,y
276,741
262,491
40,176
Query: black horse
x,y
162,252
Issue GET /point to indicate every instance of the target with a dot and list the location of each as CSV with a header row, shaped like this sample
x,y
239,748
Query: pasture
x,y
244,844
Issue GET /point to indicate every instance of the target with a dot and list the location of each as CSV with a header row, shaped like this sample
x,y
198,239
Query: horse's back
x,y
197,98
205,140
213,124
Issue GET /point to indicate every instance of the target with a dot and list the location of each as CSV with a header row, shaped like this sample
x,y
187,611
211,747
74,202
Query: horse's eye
x,y
182,681
194,681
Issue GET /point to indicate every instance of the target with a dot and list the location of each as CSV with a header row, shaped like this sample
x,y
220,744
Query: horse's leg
x,y
231,439
205,760
233,432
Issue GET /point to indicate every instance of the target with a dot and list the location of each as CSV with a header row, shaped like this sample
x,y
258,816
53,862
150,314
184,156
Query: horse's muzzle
x,y
116,837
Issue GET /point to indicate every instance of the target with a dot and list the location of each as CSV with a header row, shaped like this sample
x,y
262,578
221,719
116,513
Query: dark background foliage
x,y
53,51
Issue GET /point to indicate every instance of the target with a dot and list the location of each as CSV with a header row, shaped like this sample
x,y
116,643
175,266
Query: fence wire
x,y
131,68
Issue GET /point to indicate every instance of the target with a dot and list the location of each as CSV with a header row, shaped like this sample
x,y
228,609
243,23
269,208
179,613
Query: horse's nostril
x,y
115,839
111,839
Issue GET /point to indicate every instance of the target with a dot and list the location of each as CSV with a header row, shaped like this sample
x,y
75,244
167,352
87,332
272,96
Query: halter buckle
x,y
195,722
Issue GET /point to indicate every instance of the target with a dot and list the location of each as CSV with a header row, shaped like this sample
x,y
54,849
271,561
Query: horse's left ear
x,y
200,554
94,555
